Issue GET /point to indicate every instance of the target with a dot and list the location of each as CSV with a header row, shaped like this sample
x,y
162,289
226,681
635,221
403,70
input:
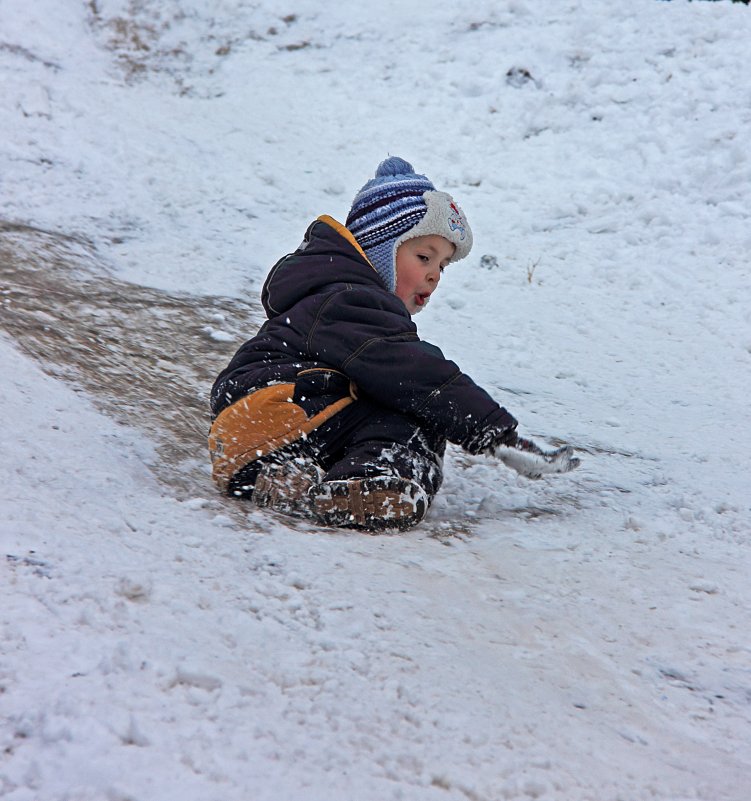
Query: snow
x,y
582,637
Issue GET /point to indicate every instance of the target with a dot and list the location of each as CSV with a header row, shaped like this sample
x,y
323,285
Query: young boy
x,y
336,410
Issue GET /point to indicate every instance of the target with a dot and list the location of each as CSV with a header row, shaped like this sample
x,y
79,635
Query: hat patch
x,y
456,221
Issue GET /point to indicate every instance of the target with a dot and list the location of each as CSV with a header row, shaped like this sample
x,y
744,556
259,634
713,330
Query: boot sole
x,y
285,488
373,504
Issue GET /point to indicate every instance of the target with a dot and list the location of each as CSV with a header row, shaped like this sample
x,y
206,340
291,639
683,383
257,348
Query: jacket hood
x,y
328,255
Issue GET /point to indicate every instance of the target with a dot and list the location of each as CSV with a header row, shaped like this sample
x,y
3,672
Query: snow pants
x,y
361,439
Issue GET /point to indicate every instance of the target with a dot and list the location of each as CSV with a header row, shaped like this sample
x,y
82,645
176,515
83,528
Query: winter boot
x,y
285,486
373,504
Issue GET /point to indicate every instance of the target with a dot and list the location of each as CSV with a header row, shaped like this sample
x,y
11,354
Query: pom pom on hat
x,y
399,204
393,165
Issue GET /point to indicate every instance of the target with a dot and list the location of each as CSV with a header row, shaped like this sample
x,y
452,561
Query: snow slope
x,y
582,637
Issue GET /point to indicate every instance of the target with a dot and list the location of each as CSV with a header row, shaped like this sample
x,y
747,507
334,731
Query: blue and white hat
x,y
398,205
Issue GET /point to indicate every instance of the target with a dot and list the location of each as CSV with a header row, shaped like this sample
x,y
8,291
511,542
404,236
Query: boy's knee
x,y
422,466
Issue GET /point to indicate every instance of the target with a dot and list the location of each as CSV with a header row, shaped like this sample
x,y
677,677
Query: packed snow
x,y
584,637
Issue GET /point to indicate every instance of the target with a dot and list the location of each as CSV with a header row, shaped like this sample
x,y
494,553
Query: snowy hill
x,y
582,638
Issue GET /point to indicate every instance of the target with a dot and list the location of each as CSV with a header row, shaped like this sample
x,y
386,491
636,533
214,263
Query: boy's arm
x,y
376,344
371,338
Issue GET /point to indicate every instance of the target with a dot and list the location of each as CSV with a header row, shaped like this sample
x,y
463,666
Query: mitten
x,y
488,439
531,461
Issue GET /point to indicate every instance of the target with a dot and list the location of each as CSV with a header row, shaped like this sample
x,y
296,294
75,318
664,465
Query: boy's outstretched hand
x,y
531,461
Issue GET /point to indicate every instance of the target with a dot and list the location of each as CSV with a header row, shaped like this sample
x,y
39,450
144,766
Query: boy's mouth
x,y
422,298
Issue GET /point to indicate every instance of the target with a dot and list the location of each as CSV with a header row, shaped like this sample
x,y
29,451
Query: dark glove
x,y
486,441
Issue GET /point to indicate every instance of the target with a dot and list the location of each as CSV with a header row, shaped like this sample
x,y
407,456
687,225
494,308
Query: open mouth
x,y
422,299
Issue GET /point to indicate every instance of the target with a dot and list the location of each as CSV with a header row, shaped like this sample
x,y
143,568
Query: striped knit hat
x,y
398,205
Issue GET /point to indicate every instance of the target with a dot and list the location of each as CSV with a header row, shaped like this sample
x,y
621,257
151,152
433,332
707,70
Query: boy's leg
x,y
366,467
281,481
387,444
383,469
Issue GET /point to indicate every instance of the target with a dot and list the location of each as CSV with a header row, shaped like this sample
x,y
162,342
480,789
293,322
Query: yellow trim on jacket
x,y
346,233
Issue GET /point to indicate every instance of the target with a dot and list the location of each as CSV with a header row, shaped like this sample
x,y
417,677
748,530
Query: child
x,y
336,410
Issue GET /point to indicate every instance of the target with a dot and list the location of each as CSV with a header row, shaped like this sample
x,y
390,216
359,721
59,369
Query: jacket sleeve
x,y
371,339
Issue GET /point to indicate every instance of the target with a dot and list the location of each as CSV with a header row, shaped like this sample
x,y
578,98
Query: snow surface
x,y
582,637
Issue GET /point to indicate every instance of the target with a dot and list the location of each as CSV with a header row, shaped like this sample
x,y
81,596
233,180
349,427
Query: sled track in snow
x,y
145,357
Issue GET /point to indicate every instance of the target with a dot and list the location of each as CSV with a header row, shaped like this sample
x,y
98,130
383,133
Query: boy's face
x,y
419,264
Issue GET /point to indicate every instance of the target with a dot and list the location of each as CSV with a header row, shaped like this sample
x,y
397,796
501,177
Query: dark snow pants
x,y
362,440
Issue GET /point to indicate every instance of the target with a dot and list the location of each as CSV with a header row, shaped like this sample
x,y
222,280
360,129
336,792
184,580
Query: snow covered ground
x,y
585,637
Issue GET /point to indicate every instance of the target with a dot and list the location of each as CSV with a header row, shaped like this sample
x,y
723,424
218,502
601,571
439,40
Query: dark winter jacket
x,y
329,312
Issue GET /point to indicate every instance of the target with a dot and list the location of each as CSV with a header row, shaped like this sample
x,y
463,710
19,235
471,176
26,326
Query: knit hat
x,y
398,205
